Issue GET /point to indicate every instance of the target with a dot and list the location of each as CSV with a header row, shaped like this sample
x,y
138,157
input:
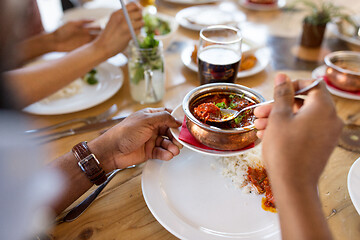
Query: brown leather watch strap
x,y
89,163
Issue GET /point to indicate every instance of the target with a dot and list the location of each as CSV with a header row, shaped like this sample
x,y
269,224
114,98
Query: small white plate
x,y
262,55
198,17
353,183
99,15
262,7
192,199
320,71
179,114
110,81
191,1
167,38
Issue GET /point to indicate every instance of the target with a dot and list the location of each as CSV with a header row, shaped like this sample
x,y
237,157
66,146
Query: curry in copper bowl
x,y
205,102
343,69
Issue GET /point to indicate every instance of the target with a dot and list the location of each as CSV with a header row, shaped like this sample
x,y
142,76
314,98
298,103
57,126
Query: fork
x,y
87,120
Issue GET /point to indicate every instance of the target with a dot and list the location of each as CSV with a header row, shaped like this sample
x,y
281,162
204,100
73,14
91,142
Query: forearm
x,y
35,46
33,83
300,212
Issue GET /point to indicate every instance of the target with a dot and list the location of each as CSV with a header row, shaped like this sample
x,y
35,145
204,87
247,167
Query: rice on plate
x,y
247,172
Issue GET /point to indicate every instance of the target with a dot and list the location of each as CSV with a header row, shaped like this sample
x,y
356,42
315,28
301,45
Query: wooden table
x,y
120,211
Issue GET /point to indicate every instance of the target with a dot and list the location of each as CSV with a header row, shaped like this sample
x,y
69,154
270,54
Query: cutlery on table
x,y
87,120
81,207
229,114
83,129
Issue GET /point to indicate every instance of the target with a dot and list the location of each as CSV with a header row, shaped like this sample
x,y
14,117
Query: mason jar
x,y
146,73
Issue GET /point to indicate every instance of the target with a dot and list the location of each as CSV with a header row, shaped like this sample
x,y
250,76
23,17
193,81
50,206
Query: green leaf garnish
x,y
221,105
239,119
232,105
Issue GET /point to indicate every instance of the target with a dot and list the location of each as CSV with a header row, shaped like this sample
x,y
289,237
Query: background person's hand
x,y
297,145
73,35
141,136
116,35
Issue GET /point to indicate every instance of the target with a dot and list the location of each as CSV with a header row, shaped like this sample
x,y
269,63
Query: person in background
x,y
33,83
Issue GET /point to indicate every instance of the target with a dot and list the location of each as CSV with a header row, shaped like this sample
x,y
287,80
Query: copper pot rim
x,y
218,87
340,54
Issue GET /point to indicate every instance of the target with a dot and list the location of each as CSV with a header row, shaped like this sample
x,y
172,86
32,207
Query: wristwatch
x,y
88,163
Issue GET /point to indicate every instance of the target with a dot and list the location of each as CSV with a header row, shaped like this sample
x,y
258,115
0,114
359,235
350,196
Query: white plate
x,y
191,1
179,114
110,81
320,71
262,7
262,55
335,30
198,17
192,199
99,15
353,182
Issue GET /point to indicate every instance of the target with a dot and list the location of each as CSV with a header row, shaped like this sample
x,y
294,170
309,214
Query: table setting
x,y
194,196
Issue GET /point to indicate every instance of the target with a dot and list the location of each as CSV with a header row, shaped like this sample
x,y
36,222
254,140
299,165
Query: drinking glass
x,y
219,54
146,73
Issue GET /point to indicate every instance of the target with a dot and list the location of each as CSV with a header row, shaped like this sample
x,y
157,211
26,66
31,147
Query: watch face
x,y
90,165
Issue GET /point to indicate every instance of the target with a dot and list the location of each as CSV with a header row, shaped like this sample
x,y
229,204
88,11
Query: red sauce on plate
x,y
259,179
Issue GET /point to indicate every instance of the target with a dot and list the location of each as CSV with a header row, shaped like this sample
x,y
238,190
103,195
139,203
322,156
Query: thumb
x,y
284,94
164,118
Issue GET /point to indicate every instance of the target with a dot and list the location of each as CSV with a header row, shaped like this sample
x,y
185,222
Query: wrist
x,y
103,153
296,189
48,42
102,50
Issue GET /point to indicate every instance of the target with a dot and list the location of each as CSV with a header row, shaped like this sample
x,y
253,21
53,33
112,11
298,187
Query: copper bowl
x,y
214,137
343,69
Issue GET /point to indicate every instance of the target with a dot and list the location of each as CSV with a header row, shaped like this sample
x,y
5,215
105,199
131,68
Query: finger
x,y
174,141
92,28
136,16
299,102
162,154
170,146
318,100
138,25
261,123
179,145
132,6
301,83
263,111
83,22
162,117
154,110
283,95
260,134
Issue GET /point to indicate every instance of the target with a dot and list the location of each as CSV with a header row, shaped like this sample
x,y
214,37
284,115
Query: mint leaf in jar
x,y
149,42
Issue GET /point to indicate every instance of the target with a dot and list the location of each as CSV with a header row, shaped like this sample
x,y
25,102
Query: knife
x,y
81,207
82,129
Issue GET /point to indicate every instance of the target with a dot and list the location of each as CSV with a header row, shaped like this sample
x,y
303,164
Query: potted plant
x,y
314,23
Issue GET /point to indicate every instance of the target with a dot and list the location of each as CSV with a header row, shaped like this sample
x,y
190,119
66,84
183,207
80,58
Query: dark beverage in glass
x,y
217,64
219,54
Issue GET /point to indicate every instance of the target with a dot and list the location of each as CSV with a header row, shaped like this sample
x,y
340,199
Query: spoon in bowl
x,y
229,114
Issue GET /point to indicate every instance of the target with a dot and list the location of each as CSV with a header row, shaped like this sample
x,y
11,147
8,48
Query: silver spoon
x,y
229,114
